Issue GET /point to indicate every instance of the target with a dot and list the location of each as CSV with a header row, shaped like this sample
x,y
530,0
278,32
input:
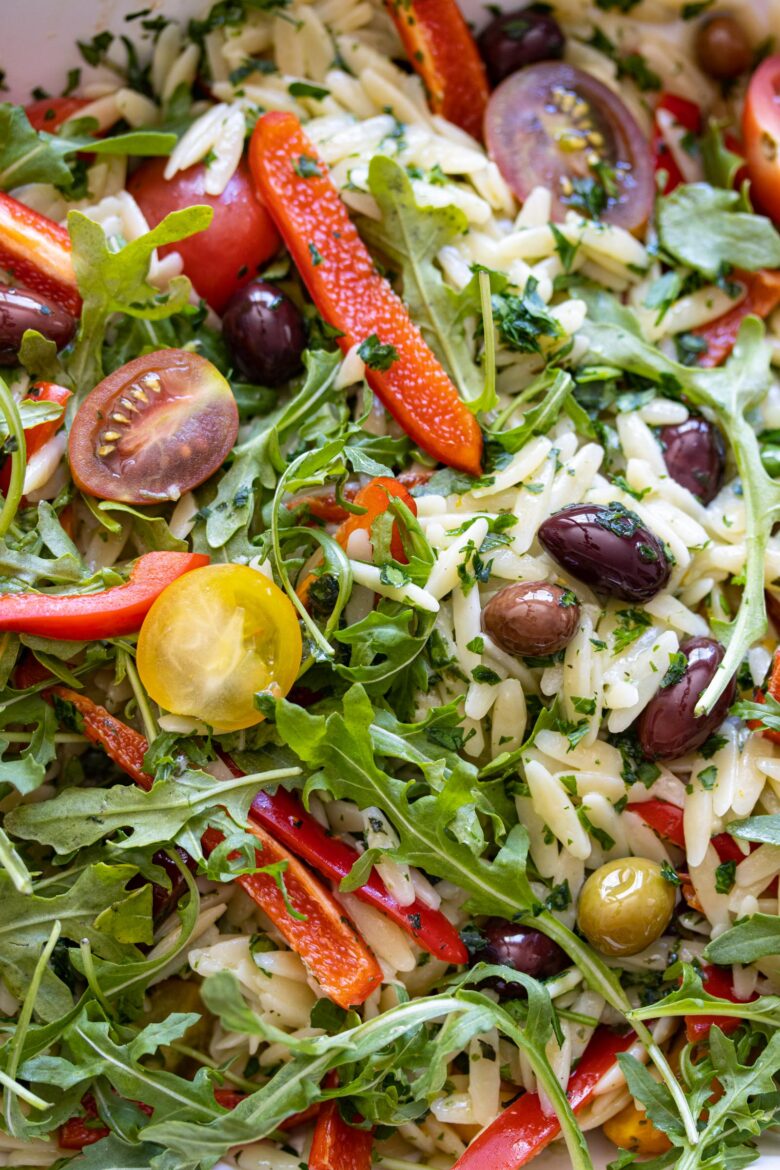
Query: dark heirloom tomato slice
x,y
153,429
761,132
553,125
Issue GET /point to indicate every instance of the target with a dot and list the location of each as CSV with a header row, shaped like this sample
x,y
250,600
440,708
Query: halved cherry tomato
x,y
553,125
688,116
50,113
38,437
761,133
213,640
239,241
153,429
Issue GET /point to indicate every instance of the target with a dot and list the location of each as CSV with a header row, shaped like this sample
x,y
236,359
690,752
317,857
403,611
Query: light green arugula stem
x,y
13,864
142,699
17,1041
13,420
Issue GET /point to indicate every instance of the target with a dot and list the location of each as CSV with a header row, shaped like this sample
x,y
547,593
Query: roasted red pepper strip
x,y
337,1145
37,437
522,1131
763,297
37,251
108,614
87,1129
374,497
667,821
285,817
715,981
688,115
773,688
351,295
441,49
336,956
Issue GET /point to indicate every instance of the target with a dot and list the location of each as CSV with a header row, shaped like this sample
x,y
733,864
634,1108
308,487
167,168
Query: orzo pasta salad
x,y
390,590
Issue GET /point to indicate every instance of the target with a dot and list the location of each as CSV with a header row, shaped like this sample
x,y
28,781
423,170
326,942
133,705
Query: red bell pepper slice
x,y
50,113
87,1129
715,981
352,296
773,688
375,497
38,252
763,297
108,614
522,1131
665,818
688,115
441,49
285,817
37,437
338,958
337,1145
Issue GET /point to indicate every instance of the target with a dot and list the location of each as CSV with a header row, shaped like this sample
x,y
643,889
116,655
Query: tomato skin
x,y
688,115
239,241
761,134
209,644
155,428
50,113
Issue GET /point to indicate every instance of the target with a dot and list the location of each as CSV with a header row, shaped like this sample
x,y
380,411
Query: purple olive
x,y
695,457
609,548
668,727
519,38
522,948
21,309
264,333
164,901
532,617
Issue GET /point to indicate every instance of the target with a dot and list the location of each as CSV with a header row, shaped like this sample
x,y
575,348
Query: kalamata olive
x,y
609,548
625,905
532,617
722,47
695,457
522,948
22,309
668,726
164,901
264,332
522,37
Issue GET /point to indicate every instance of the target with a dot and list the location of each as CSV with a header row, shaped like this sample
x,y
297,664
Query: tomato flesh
x,y
153,429
50,113
213,639
761,133
233,249
555,126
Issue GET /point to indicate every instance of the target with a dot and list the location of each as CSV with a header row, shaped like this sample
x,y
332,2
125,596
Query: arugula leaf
x,y
81,816
411,237
31,156
763,829
704,228
26,770
690,999
730,392
116,282
721,165
557,386
751,939
258,458
25,921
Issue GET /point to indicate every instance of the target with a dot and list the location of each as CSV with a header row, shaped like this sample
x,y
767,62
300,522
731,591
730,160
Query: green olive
x,y
625,905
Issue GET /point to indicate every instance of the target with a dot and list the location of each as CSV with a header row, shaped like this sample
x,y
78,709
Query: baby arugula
x,y
729,393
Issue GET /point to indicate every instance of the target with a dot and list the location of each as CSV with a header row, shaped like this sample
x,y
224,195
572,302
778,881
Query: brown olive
x,y
695,457
722,47
625,905
21,309
523,948
668,727
609,548
532,617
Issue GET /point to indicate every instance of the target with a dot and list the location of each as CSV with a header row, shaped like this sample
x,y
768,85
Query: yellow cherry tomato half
x,y
213,639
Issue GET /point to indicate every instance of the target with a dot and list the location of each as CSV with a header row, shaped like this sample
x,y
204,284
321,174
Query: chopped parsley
x,y
376,354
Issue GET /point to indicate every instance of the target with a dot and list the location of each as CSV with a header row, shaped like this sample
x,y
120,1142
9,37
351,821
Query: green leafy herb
x,y
376,354
305,89
705,228
751,939
306,167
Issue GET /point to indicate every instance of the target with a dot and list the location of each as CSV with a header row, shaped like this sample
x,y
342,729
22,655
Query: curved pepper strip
x,y
352,296
38,252
762,298
108,614
523,1130
285,817
715,981
37,437
667,821
337,1145
441,49
326,942
688,115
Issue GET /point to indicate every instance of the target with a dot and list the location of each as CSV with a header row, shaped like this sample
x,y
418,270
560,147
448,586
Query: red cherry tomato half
x,y
50,113
240,240
153,429
761,133
553,125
